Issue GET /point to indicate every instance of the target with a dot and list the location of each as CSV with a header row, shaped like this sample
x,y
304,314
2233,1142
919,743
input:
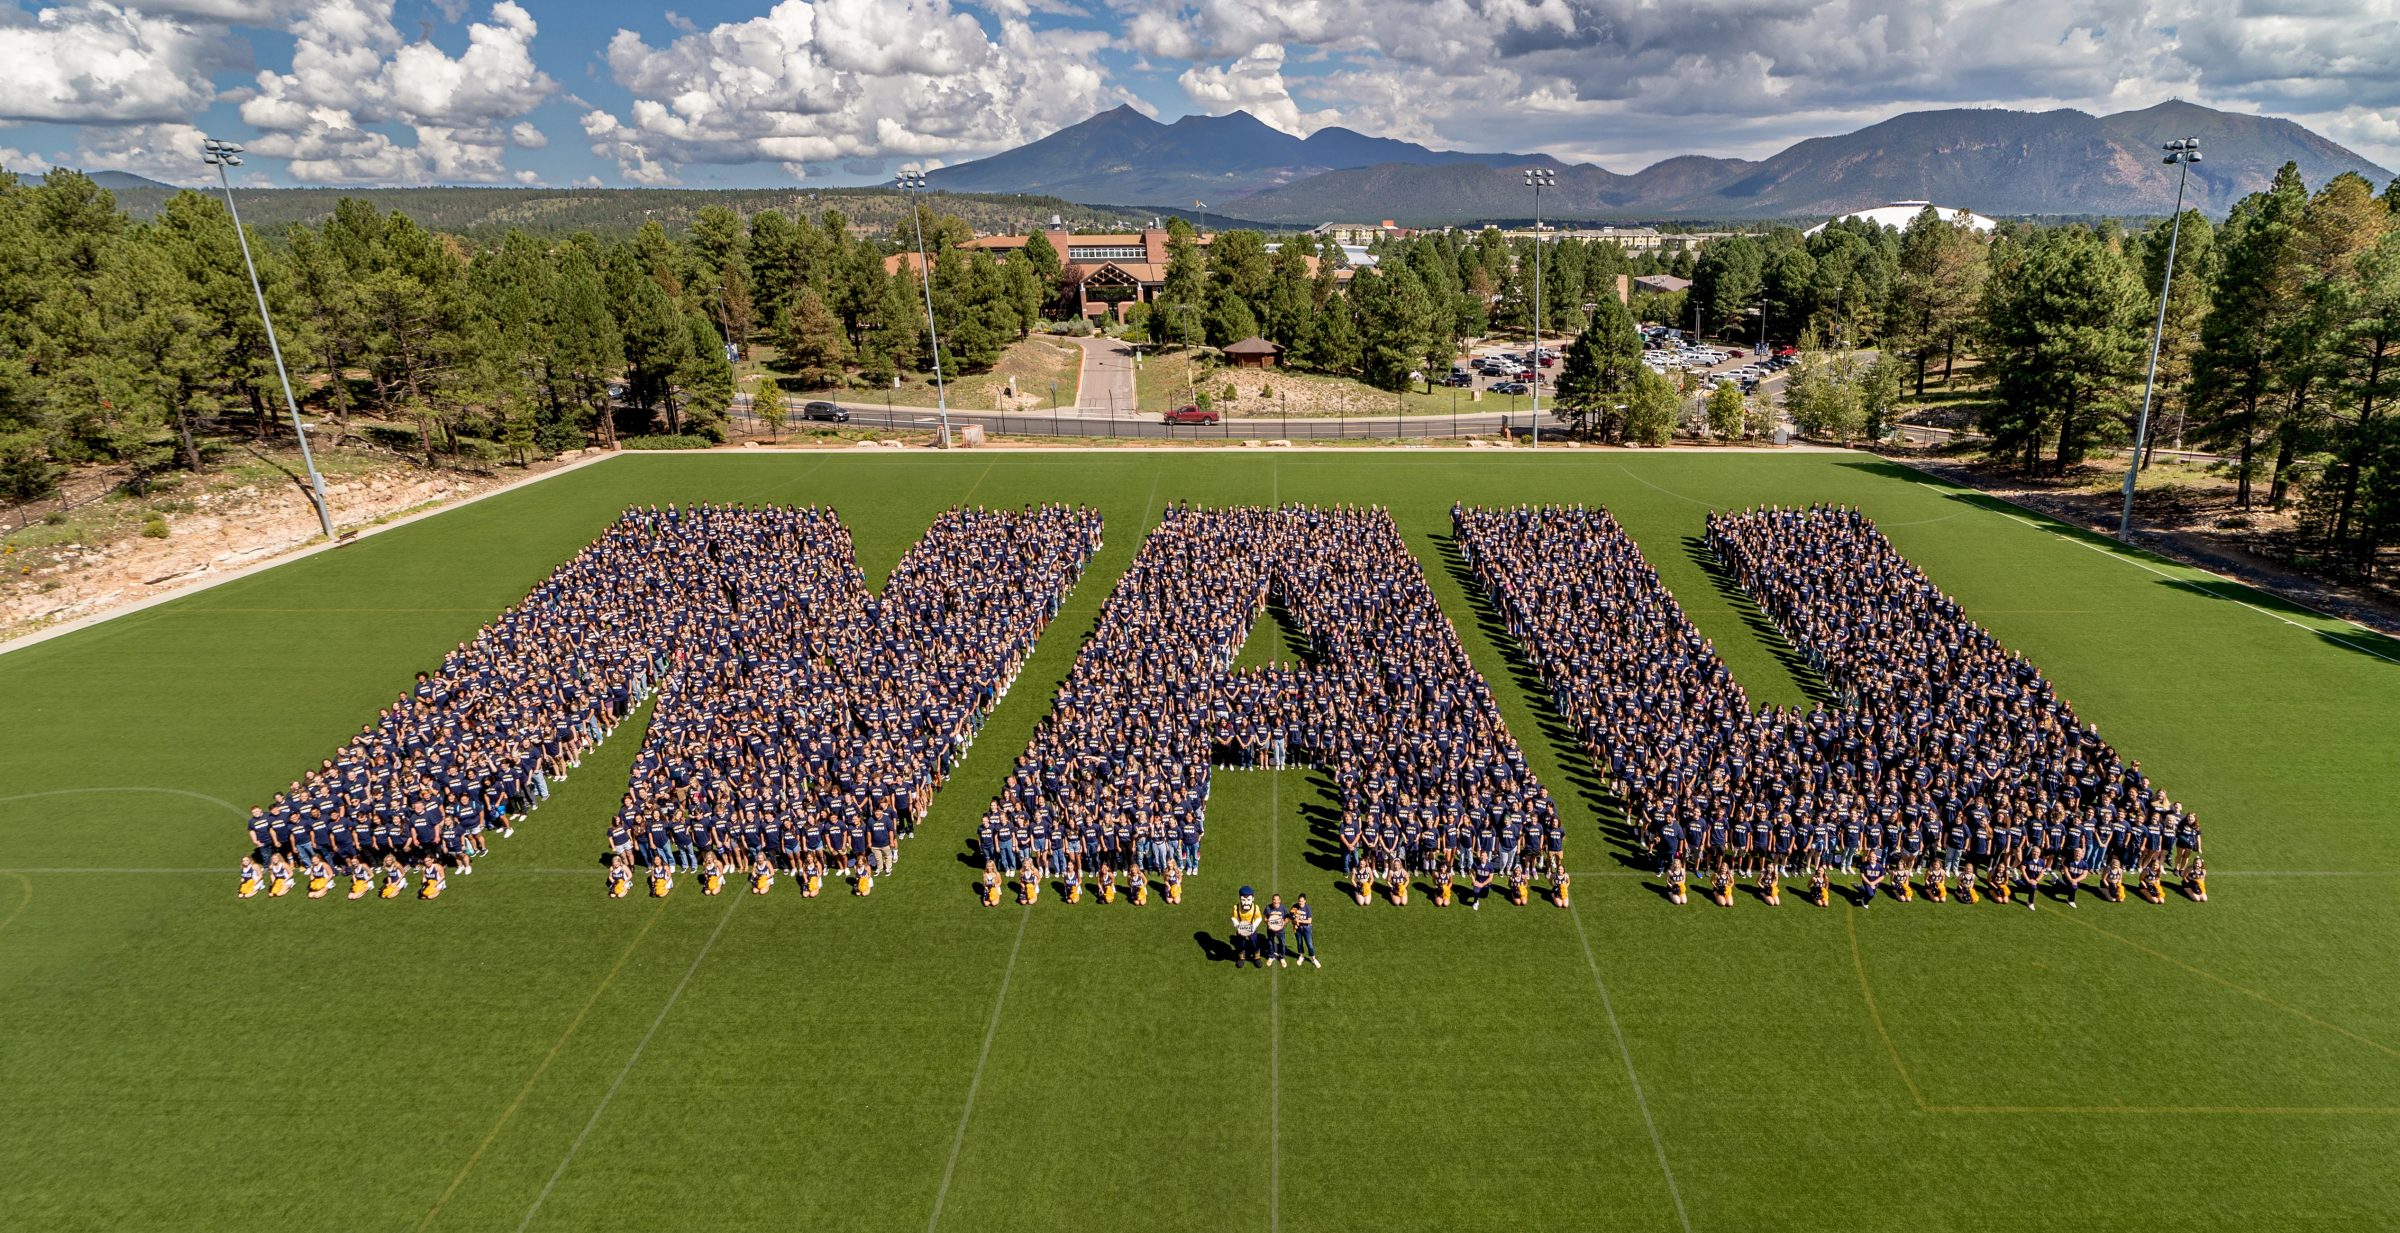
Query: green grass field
x,y
525,1053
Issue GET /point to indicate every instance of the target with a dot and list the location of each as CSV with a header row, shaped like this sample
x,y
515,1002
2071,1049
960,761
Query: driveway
x,y
1107,385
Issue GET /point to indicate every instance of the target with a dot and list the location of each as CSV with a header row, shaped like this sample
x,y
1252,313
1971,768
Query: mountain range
x,y
1122,155
1991,160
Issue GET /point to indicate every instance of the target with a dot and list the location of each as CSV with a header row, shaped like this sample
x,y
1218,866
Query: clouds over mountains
x,y
454,90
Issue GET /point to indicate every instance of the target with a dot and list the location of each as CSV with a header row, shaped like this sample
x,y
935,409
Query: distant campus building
x,y
1900,214
1103,274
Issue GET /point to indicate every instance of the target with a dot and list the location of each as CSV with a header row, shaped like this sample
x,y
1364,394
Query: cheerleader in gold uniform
x,y
2195,881
1678,882
1140,886
395,878
1967,893
620,878
1720,886
1937,882
1561,883
320,877
2152,867
1366,883
762,876
1174,890
253,880
662,881
362,879
1395,875
712,875
279,877
1029,884
1107,883
864,884
1519,883
434,882
1820,883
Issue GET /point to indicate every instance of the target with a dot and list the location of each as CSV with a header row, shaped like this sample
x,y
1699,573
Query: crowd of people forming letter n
x,y
801,724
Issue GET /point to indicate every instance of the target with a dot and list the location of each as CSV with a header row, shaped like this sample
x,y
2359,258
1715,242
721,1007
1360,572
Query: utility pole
x,y
1537,179
914,182
2180,154
220,155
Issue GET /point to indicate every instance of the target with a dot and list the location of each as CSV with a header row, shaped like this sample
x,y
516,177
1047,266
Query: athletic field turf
x,y
525,1053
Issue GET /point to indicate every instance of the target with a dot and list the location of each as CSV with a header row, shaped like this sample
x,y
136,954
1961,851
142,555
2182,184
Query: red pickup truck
x,y
1190,413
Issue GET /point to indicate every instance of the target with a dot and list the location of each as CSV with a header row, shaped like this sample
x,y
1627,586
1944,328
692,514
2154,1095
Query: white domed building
x,y
1899,214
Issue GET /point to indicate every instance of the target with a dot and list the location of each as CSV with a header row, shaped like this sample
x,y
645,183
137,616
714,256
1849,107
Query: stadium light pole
x,y
914,182
220,155
1537,179
2181,154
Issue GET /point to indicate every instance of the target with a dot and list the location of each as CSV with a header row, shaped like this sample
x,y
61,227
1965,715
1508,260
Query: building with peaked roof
x,y
1254,352
1101,275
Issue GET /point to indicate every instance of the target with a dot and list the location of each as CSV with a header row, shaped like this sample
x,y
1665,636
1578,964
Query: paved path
x,y
1107,377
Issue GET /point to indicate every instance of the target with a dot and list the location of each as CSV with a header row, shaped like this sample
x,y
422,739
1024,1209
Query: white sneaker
x,y
1316,961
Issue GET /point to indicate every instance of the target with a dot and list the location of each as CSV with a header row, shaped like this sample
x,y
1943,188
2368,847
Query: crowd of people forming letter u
x,y
800,724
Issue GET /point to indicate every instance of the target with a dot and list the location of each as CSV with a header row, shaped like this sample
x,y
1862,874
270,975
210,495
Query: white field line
x,y
991,1028
1625,1051
627,1069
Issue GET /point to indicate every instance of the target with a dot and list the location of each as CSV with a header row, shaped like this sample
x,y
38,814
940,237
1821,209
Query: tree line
x,y
138,341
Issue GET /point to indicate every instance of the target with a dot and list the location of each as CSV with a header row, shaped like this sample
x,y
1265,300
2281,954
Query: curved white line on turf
x,y
197,796
991,1028
1623,1050
611,1094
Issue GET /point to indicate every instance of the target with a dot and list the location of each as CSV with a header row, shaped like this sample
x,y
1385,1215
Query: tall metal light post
x,y
220,155
914,182
1537,179
2181,154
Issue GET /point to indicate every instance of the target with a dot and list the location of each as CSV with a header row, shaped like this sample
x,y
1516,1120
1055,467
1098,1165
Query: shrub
x,y
682,441
155,526
557,436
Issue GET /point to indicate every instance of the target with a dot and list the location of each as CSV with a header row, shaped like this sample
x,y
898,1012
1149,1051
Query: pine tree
x,y
586,352
2256,294
2187,308
703,381
811,341
2063,341
1329,342
1599,371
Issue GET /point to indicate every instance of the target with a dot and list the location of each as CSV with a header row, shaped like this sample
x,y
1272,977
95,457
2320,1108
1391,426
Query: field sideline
x,y
525,1054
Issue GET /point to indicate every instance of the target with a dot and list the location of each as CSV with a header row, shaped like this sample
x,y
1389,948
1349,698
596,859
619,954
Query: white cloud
x,y
84,63
1743,77
168,152
815,84
23,163
525,136
352,72
1254,84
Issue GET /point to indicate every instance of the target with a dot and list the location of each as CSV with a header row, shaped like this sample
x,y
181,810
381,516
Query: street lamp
x,y
1400,407
1537,179
220,155
2181,154
914,182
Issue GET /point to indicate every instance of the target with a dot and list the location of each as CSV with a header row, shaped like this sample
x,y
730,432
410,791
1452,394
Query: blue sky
x,y
847,91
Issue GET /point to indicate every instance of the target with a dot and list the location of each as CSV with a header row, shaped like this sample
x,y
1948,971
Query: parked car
x,y
1511,387
1460,380
824,412
1191,413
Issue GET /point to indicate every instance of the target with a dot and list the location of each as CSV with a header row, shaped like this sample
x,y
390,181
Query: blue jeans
x,y
1304,942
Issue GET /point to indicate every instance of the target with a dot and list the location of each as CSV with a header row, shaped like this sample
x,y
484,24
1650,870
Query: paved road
x,y
1107,376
